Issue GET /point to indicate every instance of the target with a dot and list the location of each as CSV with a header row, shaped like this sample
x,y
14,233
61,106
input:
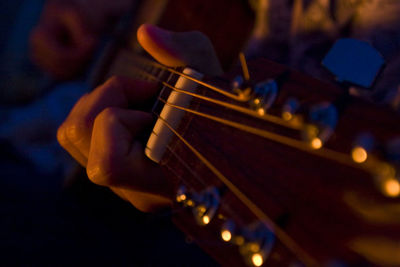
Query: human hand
x,y
101,133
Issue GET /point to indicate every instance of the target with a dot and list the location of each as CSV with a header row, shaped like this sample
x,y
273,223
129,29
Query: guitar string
x,y
280,234
233,214
372,166
186,165
240,98
300,145
346,160
340,157
266,117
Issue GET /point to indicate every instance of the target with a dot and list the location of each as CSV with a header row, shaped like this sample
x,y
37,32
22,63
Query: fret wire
x,y
280,234
265,117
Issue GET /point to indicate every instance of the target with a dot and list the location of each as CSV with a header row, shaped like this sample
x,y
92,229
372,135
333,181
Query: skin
x,y
68,31
101,133
61,44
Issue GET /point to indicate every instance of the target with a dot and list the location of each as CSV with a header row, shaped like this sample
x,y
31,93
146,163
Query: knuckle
x,y
61,137
104,171
109,116
98,174
74,131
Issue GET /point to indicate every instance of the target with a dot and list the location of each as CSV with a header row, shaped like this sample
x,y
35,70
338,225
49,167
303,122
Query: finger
x,y
173,49
63,140
116,92
115,159
68,131
142,201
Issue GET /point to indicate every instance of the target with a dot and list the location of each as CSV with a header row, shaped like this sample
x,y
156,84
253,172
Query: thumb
x,y
179,49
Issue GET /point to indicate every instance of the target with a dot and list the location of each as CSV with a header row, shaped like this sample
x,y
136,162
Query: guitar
x,y
277,170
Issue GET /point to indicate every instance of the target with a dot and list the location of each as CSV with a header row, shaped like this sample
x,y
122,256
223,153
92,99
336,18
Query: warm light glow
x,y
287,116
254,247
257,259
316,143
206,219
239,240
181,198
226,235
392,187
190,203
261,111
359,154
201,209
256,101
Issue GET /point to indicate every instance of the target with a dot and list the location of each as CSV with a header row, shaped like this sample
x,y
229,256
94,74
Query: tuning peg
x,y
290,108
264,96
323,118
363,144
185,197
237,83
206,205
228,231
259,241
241,87
387,180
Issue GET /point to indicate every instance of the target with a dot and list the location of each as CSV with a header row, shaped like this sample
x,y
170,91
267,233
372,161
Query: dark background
x,y
50,214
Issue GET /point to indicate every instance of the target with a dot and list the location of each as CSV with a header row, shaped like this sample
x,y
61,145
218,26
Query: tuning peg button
x,y
207,203
264,96
289,109
323,118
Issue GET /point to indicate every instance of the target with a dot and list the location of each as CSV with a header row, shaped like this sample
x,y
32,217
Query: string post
x,y
241,84
245,69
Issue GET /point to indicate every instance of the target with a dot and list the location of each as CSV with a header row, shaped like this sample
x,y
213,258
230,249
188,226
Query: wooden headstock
x,y
299,182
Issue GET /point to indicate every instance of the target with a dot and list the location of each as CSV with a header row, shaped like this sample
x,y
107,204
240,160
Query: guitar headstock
x,y
285,170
